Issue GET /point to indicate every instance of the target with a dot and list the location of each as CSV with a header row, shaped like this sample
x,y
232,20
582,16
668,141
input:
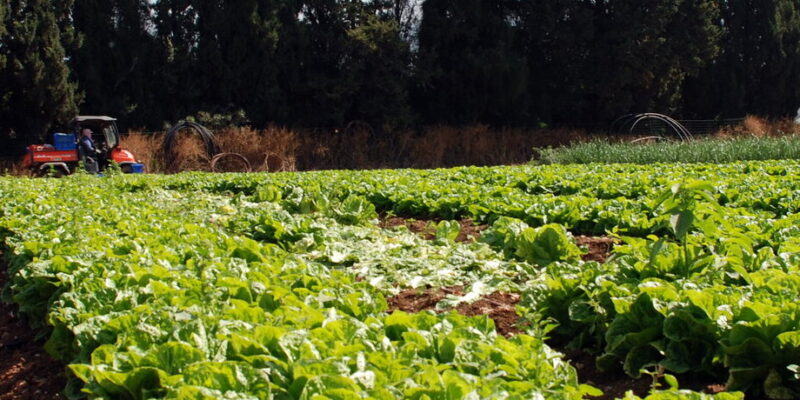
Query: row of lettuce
x,y
584,198
274,286
151,295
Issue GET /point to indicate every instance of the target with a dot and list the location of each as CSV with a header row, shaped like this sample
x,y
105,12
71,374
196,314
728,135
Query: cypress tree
x,y
3,22
762,50
556,37
469,68
236,57
758,70
316,56
177,90
116,65
644,51
344,61
379,63
35,79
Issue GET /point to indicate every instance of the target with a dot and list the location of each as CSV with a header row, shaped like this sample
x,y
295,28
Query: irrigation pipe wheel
x,y
227,162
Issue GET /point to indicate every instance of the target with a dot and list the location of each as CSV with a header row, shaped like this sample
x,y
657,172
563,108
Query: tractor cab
x,y
106,139
104,131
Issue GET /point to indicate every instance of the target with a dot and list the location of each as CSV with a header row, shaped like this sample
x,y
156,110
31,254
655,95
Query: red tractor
x,y
64,156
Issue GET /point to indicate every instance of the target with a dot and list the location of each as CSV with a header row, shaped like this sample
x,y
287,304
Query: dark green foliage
x,y
562,61
118,64
643,50
345,61
35,80
758,70
556,37
237,44
393,64
470,71
3,7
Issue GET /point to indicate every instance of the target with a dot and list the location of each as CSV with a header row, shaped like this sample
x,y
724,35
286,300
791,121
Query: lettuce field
x,y
285,286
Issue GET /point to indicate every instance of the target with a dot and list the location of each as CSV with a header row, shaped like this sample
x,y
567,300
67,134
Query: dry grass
x,y
272,149
481,145
754,126
190,153
357,147
14,168
146,148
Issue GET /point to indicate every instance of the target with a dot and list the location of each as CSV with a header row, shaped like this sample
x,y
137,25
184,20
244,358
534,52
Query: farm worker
x,y
88,150
87,143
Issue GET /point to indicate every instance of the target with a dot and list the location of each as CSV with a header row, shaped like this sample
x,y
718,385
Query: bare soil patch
x,y
499,306
616,383
599,247
416,300
26,370
427,227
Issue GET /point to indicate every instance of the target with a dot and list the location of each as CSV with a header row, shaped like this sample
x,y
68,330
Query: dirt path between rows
x,y
26,370
598,247
501,308
427,227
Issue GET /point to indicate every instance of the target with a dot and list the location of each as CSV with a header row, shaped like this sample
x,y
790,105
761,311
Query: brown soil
x,y
599,247
499,306
615,384
26,370
416,300
427,227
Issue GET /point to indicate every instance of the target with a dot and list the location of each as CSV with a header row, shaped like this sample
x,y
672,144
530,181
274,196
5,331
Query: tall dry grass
x,y
272,149
755,126
13,168
145,148
358,147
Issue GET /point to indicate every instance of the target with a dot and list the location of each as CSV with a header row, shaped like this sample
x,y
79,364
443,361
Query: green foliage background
x,y
394,63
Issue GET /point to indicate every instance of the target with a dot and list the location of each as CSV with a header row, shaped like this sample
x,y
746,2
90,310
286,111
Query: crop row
x,y
153,295
584,198
262,286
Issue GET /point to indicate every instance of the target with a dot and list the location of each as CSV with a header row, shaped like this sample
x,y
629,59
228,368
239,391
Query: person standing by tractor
x,y
88,151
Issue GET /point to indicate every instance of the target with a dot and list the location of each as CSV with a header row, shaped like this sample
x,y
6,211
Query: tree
x,y
758,70
643,52
468,66
236,57
38,92
379,62
406,16
556,36
117,65
3,22
343,61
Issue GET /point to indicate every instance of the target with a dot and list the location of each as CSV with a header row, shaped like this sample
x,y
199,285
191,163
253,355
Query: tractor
x,y
64,156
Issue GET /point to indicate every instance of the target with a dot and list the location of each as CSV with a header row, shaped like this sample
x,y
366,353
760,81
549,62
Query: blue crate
x,y
137,168
64,141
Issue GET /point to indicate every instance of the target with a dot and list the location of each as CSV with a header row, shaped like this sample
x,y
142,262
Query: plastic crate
x,y
64,141
137,168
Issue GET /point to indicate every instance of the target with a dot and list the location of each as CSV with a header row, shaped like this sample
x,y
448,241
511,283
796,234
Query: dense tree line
x,y
394,63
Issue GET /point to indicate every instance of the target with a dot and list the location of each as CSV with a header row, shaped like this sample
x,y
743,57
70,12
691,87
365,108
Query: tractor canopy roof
x,y
83,118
